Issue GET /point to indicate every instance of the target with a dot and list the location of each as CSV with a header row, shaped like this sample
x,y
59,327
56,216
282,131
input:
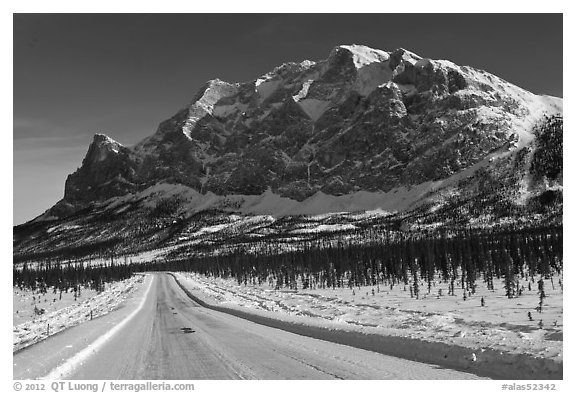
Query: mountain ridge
x,y
361,120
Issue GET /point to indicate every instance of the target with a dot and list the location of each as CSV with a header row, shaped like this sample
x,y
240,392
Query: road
x,y
162,334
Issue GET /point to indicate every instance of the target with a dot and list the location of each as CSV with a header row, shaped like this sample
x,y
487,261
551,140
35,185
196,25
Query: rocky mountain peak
x,y
361,55
361,120
101,148
103,139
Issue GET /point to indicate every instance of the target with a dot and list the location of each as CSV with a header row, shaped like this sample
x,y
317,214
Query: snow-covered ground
x,y
30,328
500,327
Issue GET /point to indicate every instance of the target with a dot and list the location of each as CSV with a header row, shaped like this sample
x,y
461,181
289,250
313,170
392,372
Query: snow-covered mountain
x,y
370,168
362,129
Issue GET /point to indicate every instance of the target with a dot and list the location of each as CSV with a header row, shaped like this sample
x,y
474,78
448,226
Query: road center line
x,y
65,369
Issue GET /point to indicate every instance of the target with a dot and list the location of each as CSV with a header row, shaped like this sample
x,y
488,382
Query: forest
x,y
461,259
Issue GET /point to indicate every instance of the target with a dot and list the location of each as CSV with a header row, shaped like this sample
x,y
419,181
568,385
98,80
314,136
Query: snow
x,y
61,228
104,146
533,107
270,203
409,57
422,63
371,76
212,229
500,332
304,91
521,124
147,256
232,224
214,92
519,121
70,365
271,108
372,72
273,204
226,110
323,228
395,200
106,140
372,67
363,55
268,83
313,107
24,301
265,86
150,196
30,329
306,64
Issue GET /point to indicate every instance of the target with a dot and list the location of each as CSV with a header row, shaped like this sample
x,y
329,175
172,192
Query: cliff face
x,y
361,120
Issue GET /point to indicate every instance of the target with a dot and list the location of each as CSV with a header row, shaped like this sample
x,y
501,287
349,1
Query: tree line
x,y
394,258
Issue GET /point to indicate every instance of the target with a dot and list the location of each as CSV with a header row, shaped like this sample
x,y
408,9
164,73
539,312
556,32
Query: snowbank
x,y
48,324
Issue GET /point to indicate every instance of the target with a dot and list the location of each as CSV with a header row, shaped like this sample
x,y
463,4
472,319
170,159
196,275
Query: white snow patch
x,y
35,329
61,228
313,107
304,91
215,91
212,229
363,55
323,228
269,203
409,57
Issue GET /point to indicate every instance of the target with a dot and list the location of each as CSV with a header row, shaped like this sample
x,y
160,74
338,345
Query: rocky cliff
x,y
361,120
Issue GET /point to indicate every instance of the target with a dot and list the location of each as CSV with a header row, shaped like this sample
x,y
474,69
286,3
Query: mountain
x,y
363,129
361,120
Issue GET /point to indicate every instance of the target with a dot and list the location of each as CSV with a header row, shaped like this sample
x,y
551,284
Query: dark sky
x,y
75,75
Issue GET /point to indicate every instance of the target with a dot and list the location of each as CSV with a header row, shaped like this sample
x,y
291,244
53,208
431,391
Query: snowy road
x,y
163,334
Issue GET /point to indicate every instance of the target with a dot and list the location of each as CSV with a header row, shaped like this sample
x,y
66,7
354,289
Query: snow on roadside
x,y
498,333
33,331
24,302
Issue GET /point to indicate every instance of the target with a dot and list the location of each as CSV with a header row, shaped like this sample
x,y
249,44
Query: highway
x,y
162,334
